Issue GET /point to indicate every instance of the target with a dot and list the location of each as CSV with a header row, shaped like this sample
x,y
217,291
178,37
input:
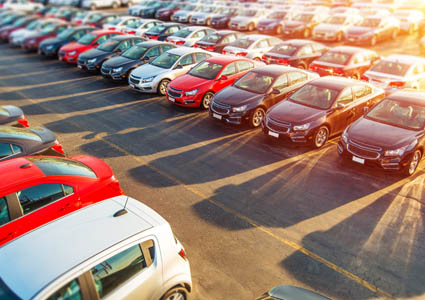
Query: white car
x,y
397,72
145,25
409,19
154,77
334,28
188,36
95,4
120,23
101,251
21,5
252,46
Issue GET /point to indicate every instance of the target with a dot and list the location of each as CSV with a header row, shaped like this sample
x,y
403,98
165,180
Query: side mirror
x,y
365,109
340,106
223,77
275,92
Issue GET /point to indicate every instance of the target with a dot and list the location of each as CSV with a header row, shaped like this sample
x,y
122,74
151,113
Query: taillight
x,y
167,40
93,24
111,28
283,61
396,84
154,37
115,185
241,54
58,148
131,32
180,43
364,78
195,45
210,48
338,71
182,254
223,51
24,122
313,67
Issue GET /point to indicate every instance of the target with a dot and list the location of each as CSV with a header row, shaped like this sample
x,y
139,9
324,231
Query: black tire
x,y
251,27
307,33
356,75
320,137
162,86
206,100
256,117
302,65
373,40
177,293
413,164
208,22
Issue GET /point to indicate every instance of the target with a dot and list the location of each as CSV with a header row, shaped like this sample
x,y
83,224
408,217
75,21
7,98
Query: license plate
x,y
217,116
273,134
171,99
132,86
358,160
80,66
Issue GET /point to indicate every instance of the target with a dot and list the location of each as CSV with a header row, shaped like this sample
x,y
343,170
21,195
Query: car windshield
x,y
8,19
183,33
48,29
391,67
284,49
370,22
315,96
242,43
134,52
94,18
109,45
255,82
277,15
207,9
165,60
55,166
87,39
303,18
211,38
66,33
157,29
18,133
206,70
33,25
399,114
337,58
225,10
337,20
248,13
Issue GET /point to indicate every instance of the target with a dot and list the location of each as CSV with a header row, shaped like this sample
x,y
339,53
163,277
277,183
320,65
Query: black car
x,y
248,99
296,53
216,41
51,46
93,59
119,67
372,30
162,31
17,142
10,114
222,20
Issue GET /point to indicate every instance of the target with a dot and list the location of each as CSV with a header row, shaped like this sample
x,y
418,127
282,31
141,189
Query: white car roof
x,y
34,260
185,50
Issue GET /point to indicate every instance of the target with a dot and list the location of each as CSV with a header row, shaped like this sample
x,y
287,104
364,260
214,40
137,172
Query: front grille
x,y
220,108
363,150
174,92
134,81
278,126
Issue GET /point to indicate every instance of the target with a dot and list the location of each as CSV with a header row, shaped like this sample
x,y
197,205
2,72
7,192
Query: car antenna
x,y
122,211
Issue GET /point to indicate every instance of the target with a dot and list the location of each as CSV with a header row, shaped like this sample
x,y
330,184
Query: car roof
x,y
12,173
409,95
225,59
405,59
275,70
296,42
336,82
288,292
102,31
151,43
349,49
65,243
185,50
11,132
224,32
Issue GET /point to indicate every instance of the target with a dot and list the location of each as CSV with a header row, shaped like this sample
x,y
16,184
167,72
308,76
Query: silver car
x,y
104,250
155,76
334,28
188,36
252,46
247,19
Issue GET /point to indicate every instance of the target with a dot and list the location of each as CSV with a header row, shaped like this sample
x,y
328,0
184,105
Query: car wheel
x,y
339,37
93,6
206,100
373,41
257,117
178,293
320,137
413,163
115,5
251,27
302,65
189,19
394,34
307,33
162,88
279,29
356,75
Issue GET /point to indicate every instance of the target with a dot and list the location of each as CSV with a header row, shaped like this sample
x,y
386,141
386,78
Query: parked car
x,y
154,77
10,114
136,6
188,36
274,22
21,6
38,189
9,18
17,37
184,15
17,142
247,19
97,20
287,292
409,19
145,25
345,61
162,31
93,59
95,4
390,136
80,16
216,41
251,46
120,23
31,42
296,53
150,11
20,23
372,11
372,30
302,24
222,18
334,28
70,52
249,98
165,13
397,72
127,255
197,87
51,46
320,109
67,13
119,67
344,10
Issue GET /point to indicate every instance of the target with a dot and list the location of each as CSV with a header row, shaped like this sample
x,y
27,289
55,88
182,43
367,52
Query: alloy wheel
x,y
206,100
414,162
321,137
163,86
176,296
257,117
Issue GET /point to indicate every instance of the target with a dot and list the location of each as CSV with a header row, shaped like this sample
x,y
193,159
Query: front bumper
x,y
357,39
219,24
267,29
136,84
198,21
108,74
177,97
71,59
226,116
236,26
47,51
293,32
284,132
92,67
324,36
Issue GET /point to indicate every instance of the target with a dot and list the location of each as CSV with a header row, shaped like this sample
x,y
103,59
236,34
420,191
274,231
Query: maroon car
x,y
390,135
50,31
322,108
344,61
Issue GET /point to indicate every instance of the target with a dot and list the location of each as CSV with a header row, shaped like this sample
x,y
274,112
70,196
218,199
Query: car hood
x,y
118,61
93,53
236,49
182,13
148,70
359,30
199,15
380,134
328,27
294,113
294,24
181,82
34,35
45,134
236,97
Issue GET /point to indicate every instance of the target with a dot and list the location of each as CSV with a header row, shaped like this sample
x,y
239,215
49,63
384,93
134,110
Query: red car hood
x,y
74,46
188,82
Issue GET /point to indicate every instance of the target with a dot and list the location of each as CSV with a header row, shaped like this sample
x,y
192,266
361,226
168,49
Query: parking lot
x,y
251,213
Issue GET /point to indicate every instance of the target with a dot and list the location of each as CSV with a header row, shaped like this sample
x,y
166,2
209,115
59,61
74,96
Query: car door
x,y
150,55
363,98
124,45
230,72
281,85
343,111
9,150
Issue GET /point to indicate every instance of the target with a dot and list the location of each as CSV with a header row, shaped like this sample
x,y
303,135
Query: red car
x,y
35,190
198,86
70,52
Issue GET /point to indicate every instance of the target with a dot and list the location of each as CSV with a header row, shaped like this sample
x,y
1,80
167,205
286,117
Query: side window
x,y
166,48
346,97
186,60
418,69
281,82
152,52
360,91
78,34
16,149
34,197
124,45
274,41
226,40
306,50
172,29
244,65
297,77
101,39
4,211
201,56
318,47
5,150
137,41
229,70
262,44
60,29
70,291
199,34
149,25
114,271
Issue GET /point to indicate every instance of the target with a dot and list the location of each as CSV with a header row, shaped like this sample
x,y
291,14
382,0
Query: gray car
x,y
12,114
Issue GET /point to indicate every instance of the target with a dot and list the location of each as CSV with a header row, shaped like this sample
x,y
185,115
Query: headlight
x,y
344,136
302,127
239,109
191,93
117,70
148,79
72,53
396,152
91,61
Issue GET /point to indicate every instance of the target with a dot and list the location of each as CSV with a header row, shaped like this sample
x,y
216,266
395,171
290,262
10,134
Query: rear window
x,y
18,133
54,166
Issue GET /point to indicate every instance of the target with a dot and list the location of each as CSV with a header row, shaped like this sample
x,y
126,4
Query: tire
x,y
320,137
206,100
339,36
189,19
413,163
208,22
256,117
307,33
394,34
302,66
257,59
373,41
356,75
177,293
162,86
251,27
